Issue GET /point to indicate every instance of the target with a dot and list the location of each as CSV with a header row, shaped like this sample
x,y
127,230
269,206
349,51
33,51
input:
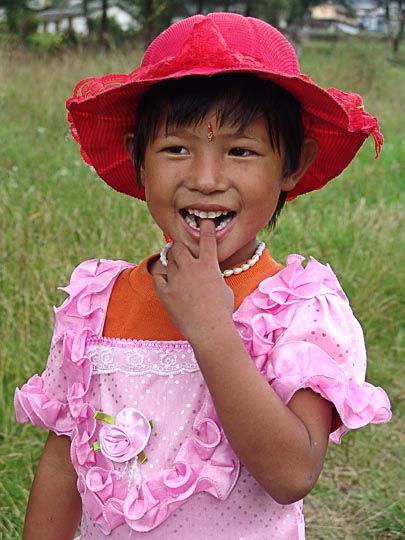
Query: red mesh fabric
x,y
102,110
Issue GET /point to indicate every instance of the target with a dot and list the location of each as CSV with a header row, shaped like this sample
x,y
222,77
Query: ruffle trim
x,y
33,405
357,405
80,316
264,317
205,461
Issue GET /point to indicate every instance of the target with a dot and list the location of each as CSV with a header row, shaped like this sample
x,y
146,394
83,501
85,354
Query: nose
x,y
207,174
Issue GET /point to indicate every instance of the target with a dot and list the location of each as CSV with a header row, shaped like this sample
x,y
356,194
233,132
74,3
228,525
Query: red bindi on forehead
x,y
210,134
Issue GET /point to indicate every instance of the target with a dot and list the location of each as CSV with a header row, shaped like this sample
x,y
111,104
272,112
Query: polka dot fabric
x,y
171,400
246,515
299,331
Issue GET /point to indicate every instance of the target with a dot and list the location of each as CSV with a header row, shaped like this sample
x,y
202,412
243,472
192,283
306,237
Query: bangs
x,y
237,99
234,107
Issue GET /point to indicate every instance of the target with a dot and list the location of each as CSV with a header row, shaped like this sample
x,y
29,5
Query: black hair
x,y
238,98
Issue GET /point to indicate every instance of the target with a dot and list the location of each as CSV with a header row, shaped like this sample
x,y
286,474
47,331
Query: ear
x,y
129,146
309,153
142,178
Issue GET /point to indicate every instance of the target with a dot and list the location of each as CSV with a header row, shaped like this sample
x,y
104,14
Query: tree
x,y
103,29
20,18
155,15
395,16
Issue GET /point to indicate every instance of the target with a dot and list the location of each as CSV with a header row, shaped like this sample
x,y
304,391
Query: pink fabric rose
x,y
101,481
127,437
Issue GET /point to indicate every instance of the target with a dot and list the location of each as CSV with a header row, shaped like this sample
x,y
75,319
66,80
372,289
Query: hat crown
x,y
224,35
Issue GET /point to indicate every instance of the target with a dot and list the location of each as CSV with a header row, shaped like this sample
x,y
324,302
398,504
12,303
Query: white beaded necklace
x,y
231,272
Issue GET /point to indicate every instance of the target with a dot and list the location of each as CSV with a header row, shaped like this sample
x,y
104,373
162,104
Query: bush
x,y
46,42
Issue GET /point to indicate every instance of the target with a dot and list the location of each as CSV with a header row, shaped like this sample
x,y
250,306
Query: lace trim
x,y
133,357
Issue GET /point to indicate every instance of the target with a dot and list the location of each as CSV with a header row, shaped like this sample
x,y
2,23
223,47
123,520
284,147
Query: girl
x,y
195,394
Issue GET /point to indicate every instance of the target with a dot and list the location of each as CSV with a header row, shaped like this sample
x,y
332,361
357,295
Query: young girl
x,y
194,394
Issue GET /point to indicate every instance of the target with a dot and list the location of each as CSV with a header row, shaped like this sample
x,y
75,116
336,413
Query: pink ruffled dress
x,y
151,457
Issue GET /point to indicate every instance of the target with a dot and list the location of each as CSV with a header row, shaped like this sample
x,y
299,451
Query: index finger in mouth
x,y
208,241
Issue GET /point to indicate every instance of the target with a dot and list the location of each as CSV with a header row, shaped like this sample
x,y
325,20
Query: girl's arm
x,y
54,506
283,446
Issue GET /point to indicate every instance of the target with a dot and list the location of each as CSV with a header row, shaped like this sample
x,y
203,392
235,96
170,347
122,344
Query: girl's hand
x,y
193,291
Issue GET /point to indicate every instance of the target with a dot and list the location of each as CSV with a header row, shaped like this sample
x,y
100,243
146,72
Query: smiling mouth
x,y
193,217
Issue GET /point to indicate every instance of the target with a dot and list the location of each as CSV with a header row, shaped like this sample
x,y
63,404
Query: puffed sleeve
x,y
54,399
42,400
301,332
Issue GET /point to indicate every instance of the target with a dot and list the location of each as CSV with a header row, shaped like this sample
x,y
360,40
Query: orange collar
x,y
135,311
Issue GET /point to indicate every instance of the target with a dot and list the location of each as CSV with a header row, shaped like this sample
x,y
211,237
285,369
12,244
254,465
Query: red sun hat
x,y
103,109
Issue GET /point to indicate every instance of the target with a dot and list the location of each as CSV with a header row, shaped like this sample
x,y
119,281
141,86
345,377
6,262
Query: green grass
x,y
55,213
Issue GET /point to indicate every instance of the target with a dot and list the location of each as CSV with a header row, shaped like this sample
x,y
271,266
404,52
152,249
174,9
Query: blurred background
x,y
55,212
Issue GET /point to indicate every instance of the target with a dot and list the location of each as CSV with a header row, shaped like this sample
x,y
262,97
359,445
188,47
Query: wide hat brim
x,y
103,110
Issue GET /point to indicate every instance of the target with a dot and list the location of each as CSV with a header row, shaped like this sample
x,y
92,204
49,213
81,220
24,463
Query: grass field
x,y
55,213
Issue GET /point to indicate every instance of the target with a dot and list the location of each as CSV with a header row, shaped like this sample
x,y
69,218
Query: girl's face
x,y
214,172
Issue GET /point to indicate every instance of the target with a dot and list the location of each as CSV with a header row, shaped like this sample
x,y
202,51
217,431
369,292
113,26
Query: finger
x,y
208,240
160,283
171,254
177,254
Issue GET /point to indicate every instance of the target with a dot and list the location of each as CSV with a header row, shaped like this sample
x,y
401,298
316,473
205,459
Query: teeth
x,y
204,215
190,220
192,214
224,223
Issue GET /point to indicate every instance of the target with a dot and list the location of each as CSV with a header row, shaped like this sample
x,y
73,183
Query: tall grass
x,y
55,212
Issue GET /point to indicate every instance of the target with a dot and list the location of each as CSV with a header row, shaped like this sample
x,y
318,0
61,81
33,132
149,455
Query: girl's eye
x,y
176,150
241,152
